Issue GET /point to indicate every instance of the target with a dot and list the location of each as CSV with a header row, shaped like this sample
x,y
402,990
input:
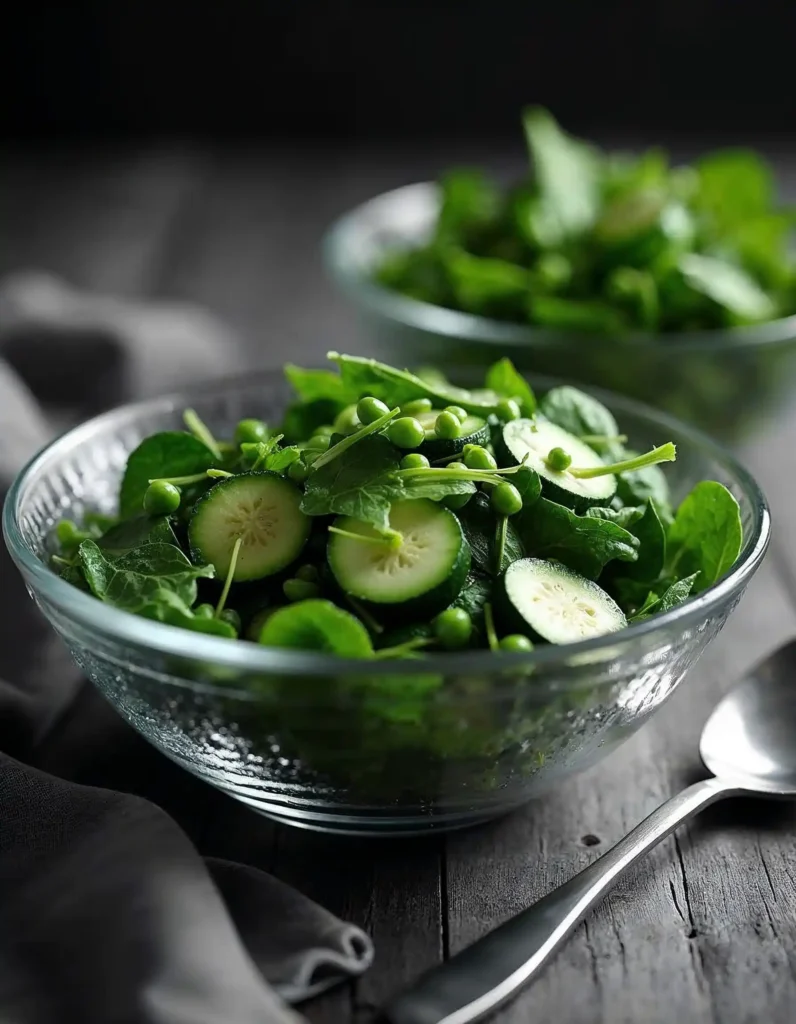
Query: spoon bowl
x,y
750,738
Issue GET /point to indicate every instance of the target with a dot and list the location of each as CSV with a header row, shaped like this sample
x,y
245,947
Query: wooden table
x,y
705,929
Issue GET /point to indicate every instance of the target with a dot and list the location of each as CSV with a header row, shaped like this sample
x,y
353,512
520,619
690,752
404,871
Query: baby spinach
x,y
624,517
317,625
643,485
706,535
133,533
171,453
478,523
132,580
675,594
651,536
166,606
585,417
504,379
583,543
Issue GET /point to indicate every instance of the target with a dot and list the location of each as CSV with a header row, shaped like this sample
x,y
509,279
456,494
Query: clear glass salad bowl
x,y
357,746
727,382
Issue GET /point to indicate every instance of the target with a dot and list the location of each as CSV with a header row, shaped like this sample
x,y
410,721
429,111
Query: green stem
x,y
489,623
400,649
476,476
218,474
65,562
201,433
602,438
180,481
364,614
228,581
347,442
665,453
500,542
393,539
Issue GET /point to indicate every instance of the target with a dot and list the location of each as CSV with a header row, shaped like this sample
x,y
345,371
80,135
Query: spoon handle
x,y
485,974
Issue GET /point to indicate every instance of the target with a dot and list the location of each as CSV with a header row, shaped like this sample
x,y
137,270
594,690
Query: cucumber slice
x,y
555,604
474,430
260,508
419,578
534,439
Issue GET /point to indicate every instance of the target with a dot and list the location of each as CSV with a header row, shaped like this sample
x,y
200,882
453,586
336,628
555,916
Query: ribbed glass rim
x,y
125,627
339,251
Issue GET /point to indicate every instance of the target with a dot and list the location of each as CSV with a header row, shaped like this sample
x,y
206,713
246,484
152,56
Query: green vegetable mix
x,y
599,242
328,534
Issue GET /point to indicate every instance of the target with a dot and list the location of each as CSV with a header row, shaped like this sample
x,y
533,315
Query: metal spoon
x,y
748,743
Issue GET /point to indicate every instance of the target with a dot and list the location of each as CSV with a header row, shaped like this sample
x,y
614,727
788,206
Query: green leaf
x,y
762,245
486,286
651,535
582,543
167,606
624,517
504,379
396,387
706,536
468,203
311,385
734,185
479,524
132,580
302,419
575,314
167,454
581,415
728,286
677,593
317,625
133,533
567,173
643,485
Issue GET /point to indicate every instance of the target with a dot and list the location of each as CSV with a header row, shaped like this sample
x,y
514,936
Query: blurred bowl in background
x,y
352,746
727,382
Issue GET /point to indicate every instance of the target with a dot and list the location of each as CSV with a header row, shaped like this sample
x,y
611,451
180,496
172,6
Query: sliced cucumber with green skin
x,y
262,509
474,430
553,603
533,440
416,579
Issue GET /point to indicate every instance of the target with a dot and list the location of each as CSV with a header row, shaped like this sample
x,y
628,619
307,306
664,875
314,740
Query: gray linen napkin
x,y
107,911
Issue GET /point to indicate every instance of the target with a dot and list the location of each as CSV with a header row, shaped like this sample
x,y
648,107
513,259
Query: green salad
x,y
393,514
602,242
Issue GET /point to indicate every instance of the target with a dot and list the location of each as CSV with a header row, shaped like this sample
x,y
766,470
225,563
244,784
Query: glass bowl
x,y
727,382
353,746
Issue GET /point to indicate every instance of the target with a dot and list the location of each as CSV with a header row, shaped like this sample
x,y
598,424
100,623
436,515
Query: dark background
x,y
355,70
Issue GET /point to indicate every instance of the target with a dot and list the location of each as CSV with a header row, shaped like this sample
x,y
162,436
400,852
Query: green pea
x,y
69,534
251,431
347,421
459,467
457,411
456,501
297,472
516,643
318,443
406,432
506,499
447,426
308,573
416,407
558,460
508,409
453,628
230,616
370,409
476,457
161,498
415,461
204,611
299,590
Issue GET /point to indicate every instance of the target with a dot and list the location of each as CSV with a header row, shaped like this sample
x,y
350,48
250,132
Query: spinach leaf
x,y
582,543
504,379
168,607
652,545
729,287
706,535
643,485
362,483
581,415
312,385
733,186
396,387
479,525
487,286
168,454
132,580
675,594
624,517
576,314
133,533
317,625
469,203
302,419
567,175
354,484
